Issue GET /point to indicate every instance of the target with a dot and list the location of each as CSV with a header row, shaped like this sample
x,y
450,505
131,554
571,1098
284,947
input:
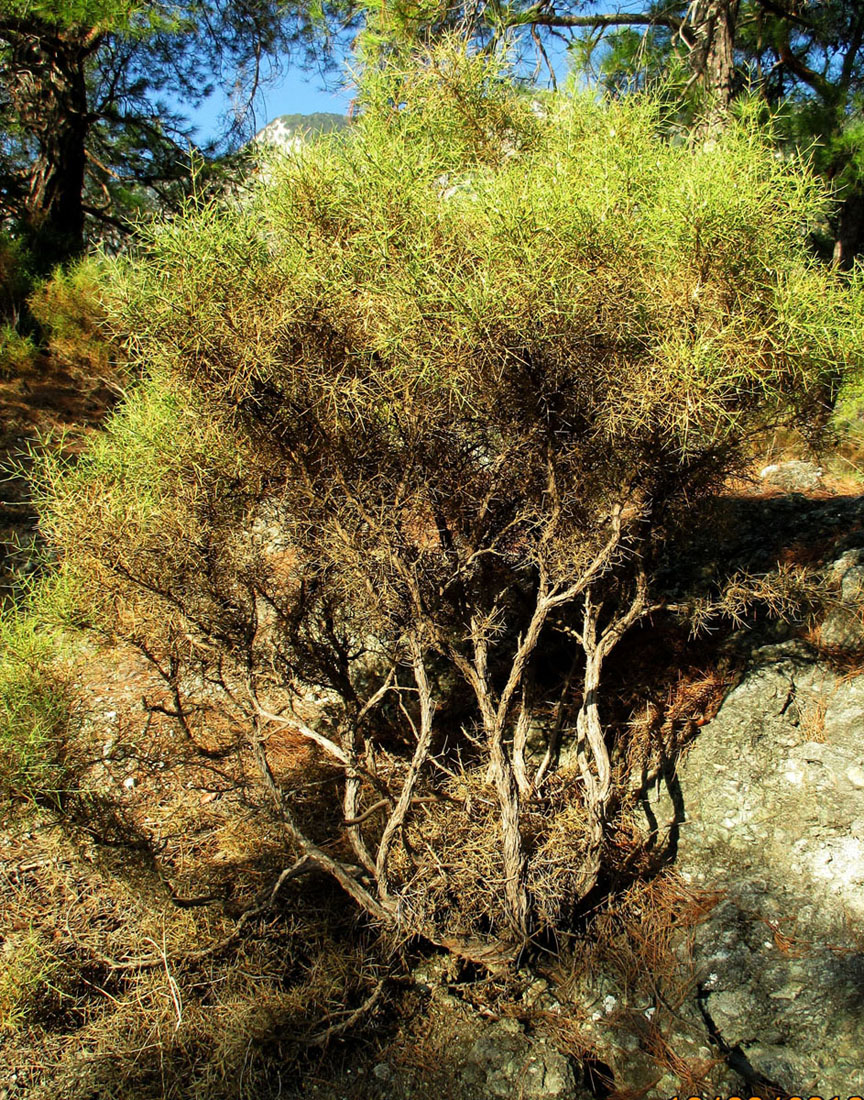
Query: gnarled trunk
x,y
47,83
712,52
849,241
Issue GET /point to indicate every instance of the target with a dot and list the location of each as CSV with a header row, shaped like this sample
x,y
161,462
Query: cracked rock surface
x,y
773,795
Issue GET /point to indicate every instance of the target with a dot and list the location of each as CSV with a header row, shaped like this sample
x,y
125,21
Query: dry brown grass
x,y
450,871
133,965
79,1019
694,1075
641,941
641,937
812,720
786,938
661,728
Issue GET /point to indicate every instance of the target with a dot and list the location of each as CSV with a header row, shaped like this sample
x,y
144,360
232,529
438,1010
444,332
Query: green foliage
x,y
160,449
632,59
26,971
72,319
806,64
17,353
835,137
152,485
16,276
35,696
553,227
403,24
101,15
422,412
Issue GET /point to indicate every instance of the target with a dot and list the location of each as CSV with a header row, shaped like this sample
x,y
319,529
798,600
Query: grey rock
x,y
843,627
504,1062
781,967
730,1012
793,477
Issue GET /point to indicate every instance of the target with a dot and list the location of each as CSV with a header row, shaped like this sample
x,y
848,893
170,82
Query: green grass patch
x,y
17,353
36,698
27,969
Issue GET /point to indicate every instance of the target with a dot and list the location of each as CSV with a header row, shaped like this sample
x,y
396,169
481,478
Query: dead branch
x,y
520,741
421,754
339,871
304,730
350,1020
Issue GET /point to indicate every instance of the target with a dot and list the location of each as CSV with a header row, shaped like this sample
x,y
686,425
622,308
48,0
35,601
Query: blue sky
x,y
296,91
300,91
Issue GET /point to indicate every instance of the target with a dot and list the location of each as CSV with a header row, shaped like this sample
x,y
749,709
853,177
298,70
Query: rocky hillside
x,y
286,130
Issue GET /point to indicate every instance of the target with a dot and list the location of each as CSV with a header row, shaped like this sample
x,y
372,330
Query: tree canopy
x,y
806,56
91,97
804,59
92,93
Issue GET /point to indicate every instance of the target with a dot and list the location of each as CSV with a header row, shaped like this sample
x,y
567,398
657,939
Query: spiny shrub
x,y
70,313
18,353
418,419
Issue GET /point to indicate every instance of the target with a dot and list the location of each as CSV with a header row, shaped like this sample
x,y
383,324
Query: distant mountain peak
x,y
286,131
